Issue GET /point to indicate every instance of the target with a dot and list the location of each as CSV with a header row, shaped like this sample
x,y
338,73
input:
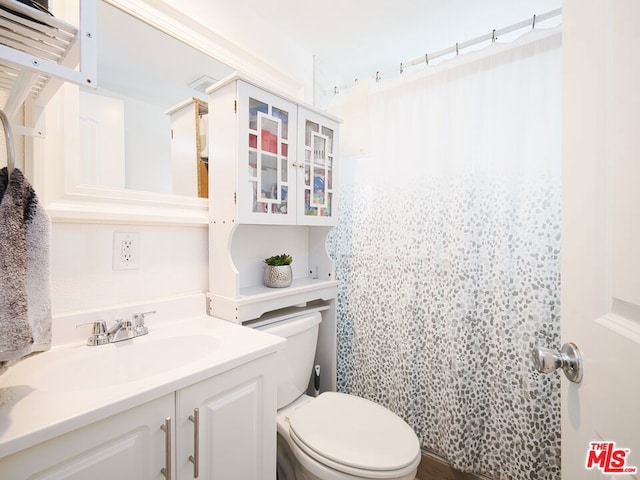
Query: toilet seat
x,y
355,436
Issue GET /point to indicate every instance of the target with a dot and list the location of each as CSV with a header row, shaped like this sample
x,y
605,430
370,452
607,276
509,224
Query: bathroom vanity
x,y
196,397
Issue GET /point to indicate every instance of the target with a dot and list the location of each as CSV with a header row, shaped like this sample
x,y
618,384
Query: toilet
x,y
333,436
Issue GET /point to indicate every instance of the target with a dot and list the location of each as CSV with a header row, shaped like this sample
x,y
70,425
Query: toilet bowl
x,y
334,436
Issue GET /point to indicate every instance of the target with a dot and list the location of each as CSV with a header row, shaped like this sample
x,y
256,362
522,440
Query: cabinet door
x,y
317,158
127,446
237,425
267,141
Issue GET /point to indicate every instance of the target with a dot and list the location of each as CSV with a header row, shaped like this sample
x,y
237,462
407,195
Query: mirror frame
x,y
54,161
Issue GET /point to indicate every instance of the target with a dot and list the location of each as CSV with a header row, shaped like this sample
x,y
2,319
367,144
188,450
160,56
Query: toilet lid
x,y
355,432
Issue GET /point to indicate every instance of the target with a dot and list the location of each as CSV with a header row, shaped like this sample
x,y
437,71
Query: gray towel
x,y
25,298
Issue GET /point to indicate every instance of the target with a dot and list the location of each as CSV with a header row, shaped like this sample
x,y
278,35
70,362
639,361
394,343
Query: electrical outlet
x,y
126,250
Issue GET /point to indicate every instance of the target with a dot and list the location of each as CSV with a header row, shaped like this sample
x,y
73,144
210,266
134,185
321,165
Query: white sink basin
x,y
88,367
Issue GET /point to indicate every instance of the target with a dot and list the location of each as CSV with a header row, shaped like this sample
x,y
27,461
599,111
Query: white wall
x,y
173,260
241,23
148,144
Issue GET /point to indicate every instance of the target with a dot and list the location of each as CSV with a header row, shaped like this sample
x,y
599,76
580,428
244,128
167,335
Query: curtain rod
x,y
493,36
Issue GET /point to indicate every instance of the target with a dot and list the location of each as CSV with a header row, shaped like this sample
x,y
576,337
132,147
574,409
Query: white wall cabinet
x,y
273,160
272,163
237,436
272,172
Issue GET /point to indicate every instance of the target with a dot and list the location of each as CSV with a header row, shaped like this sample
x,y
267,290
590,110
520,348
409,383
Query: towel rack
x,y
8,138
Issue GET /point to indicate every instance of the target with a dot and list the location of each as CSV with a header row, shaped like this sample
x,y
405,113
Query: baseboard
x,y
433,467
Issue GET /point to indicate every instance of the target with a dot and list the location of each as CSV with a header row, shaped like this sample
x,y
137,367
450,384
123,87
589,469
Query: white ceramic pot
x,y
278,276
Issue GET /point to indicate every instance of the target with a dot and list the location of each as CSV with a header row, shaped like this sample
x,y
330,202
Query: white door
x,y
601,237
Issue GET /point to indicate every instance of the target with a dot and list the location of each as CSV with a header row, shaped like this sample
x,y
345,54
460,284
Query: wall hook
x,y
377,76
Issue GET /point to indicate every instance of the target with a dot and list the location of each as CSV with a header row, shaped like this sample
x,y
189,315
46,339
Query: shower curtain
x,y
447,248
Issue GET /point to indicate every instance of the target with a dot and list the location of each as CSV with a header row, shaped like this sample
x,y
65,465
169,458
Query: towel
x,y
25,297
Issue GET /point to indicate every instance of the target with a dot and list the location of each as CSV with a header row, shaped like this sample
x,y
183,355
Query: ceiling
x,y
354,38
332,41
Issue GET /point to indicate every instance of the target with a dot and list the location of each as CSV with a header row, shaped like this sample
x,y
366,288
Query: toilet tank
x,y
295,360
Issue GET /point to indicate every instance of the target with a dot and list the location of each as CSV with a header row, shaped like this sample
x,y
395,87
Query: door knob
x,y
568,359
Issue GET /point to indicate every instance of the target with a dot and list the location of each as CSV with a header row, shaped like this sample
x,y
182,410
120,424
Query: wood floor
x,y
434,468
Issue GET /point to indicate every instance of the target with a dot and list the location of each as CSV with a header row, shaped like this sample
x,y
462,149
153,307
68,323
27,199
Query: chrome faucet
x,y
121,330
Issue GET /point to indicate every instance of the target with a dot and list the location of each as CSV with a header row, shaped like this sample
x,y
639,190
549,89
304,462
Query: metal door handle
x,y
568,359
166,428
195,458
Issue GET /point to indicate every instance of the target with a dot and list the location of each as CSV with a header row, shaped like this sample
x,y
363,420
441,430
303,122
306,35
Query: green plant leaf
x,y
279,260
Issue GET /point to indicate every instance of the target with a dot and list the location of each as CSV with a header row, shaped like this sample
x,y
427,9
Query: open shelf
x,y
257,300
39,51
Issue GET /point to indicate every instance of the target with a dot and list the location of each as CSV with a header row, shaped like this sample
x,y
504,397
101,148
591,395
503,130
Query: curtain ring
x,y
335,90
401,69
426,58
377,76
493,36
533,23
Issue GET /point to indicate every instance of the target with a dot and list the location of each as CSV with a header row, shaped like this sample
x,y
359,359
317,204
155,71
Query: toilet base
x,y
285,463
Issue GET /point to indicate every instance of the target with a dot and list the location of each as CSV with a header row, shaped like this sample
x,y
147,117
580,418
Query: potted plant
x,y
277,271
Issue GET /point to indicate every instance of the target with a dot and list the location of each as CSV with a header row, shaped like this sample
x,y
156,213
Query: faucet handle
x,y
138,322
139,317
99,334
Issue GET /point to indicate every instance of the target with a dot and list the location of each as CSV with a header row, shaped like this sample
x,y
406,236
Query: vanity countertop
x,y
73,385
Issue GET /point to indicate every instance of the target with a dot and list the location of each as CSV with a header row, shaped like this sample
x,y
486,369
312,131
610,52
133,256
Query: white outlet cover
x,y
126,250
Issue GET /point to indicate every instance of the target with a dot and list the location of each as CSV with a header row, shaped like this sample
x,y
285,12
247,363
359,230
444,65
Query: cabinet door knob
x,y
195,458
166,428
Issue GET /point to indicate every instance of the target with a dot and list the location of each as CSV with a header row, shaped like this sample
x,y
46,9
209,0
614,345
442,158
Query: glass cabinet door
x,y
267,138
318,144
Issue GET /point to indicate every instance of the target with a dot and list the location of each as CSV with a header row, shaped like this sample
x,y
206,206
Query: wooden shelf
x,y
255,301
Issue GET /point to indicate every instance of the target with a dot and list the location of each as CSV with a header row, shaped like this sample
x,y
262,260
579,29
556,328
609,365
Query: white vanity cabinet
x,y
272,159
235,431
236,436
127,446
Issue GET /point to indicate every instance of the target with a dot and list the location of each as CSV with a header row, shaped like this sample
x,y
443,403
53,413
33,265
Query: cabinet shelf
x,y
39,51
256,300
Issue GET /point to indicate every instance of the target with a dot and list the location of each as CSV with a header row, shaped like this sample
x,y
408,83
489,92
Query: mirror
x,y
144,127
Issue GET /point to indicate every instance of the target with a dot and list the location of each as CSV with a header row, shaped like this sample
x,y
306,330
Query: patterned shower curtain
x,y
448,252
